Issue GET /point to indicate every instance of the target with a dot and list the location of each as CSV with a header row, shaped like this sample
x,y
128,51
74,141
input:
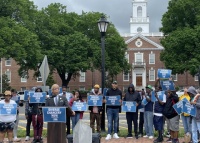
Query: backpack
x,y
168,110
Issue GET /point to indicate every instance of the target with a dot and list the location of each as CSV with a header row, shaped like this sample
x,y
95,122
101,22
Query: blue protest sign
x,y
54,114
95,100
164,73
105,91
60,89
144,102
189,109
69,96
161,95
167,85
79,106
178,107
8,109
128,106
185,99
26,95
153,97
37,97
50,92
113,100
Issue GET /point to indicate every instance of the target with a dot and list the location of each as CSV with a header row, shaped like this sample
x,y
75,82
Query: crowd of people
x,y
152,116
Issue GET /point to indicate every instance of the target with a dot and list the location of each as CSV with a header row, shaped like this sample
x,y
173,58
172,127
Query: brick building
x,y
143,54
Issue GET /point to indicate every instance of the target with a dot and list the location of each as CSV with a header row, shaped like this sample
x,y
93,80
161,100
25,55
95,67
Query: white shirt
x,y
55,99
7,118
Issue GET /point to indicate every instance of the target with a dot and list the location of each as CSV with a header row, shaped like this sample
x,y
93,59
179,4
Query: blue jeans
x,y
75,119
195,127
112,115
148,123
186,123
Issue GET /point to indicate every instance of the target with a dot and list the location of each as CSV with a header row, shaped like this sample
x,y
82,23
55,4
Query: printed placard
x,y
178,107
189,109
95,100
128,106
105,91
161,95
26,95
37,97
79,106
153,96
8,109
167,85
54,114
144,102
113,100
164,73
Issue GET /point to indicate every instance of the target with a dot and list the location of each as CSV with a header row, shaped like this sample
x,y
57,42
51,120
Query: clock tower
x,y
139,22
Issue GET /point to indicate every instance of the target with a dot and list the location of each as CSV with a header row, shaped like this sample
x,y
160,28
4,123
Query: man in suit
x,y
56,131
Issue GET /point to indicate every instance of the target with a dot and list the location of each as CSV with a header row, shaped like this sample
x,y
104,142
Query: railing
x,y
139,64
144,34
139,19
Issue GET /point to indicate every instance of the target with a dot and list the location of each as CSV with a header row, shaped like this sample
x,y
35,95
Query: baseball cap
x,y
7,92
149,86
114,82
96,86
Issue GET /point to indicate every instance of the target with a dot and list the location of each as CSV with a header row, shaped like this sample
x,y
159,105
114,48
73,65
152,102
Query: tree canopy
x,y
181,27
70,41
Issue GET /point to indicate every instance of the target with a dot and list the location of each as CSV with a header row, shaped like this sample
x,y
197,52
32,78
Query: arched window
x,y
139,11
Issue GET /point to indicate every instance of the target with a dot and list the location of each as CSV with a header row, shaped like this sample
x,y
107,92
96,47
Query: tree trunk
x,y
65,82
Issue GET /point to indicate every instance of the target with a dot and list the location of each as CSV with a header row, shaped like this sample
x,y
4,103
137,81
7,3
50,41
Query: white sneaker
x,y
27,138
16,139
145,136
108,137
115,136
150,137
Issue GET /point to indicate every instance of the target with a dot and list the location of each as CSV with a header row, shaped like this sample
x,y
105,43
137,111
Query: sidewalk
x,y
120,140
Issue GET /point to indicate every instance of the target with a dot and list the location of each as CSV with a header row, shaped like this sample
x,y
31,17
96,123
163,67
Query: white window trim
x,y
10,75
80,79
141,55
150,58
123,77
23,79
196,78
176,77
38,78
6,62
150,76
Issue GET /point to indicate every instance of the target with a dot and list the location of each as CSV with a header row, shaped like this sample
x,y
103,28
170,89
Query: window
x,y
39,79
8,74
23,79
175,77
8,62
196,78
82,76
139,11
126,76
82,88
127,56
152,58
151,75
138,57
23,88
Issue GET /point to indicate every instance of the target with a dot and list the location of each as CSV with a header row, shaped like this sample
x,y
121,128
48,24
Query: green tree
x,y
5,83
181,27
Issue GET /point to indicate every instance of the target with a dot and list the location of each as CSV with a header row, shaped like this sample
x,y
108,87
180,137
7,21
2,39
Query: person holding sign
x,y
37,118
95,111
195,120
132,95
113,111
158,115
7,120
56,131
148,114
79,114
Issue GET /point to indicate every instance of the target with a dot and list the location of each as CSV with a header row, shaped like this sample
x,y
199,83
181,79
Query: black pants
x,y
68,125
28,124
141,123
132,117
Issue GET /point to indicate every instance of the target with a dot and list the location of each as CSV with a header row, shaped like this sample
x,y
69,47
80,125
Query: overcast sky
x,y
119,11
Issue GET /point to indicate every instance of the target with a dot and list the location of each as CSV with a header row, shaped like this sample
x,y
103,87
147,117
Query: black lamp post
x,y
103,24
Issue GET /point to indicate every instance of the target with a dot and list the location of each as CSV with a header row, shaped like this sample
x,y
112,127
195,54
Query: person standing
x,y
7,122
186,117
37,119
79,114
132,95
28,115
148,114
113,111
141,117
56,131
195,100
95,111
16,98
